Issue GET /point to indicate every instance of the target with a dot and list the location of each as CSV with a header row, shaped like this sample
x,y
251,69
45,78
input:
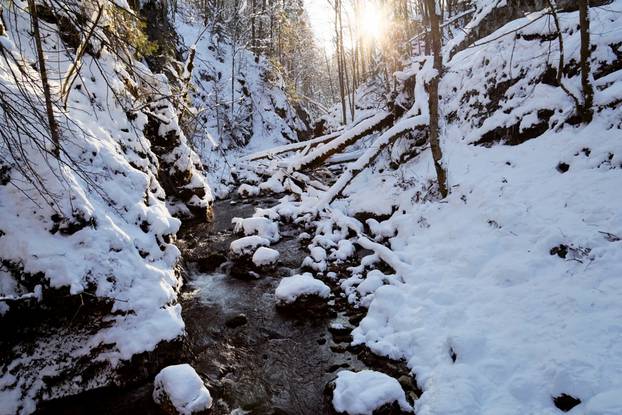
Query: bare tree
x,y
588,91
437,154
49,106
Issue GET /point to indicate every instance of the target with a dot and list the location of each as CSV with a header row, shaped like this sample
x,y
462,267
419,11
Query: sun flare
x,y
372,21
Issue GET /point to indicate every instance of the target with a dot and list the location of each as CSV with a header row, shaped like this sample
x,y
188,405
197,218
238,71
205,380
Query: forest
x,y
303,207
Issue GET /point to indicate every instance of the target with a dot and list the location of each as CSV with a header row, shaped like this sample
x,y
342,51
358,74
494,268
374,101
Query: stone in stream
x,y
302,295
211,262
241,252
367,392
179,390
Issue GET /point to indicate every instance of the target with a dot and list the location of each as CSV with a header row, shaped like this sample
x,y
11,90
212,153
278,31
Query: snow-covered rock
x,y
247,190
292,288
247,245
362,393
265,257
180,391
259,226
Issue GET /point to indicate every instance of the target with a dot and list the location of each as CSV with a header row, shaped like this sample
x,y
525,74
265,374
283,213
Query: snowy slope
x,y
516,275
88,263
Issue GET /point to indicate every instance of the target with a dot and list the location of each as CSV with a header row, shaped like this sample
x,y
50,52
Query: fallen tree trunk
x,y
315,158
419,122
291,147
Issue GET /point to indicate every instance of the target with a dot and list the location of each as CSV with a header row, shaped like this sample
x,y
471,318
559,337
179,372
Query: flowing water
x,y
272,363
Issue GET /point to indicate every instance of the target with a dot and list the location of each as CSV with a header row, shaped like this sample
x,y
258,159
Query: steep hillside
x,y
88,275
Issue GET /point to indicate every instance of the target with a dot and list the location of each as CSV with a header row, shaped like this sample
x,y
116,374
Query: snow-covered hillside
x,y
242,106
86,240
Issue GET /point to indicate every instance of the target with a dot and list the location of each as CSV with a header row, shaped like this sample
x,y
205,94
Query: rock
x,y
236,321
302,294
565,402
340,332
247,245
211,262
265,257
179,390
262,227
367,392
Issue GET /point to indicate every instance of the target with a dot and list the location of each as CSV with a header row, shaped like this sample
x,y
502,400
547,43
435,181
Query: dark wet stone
x,y
306,306
236,321
211,262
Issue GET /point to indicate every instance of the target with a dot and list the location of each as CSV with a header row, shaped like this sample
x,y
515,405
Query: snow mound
x,y
265,256
361,393
259,226
248,244
292,288
180,388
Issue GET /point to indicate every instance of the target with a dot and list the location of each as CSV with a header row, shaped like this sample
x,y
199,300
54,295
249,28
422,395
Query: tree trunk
x,y
339,49
588,91
437,154
52,124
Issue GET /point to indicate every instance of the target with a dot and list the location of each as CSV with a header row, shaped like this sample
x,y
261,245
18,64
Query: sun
x,y
372,21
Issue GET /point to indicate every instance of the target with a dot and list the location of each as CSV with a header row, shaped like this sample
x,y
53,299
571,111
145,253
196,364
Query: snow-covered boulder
x,y
259,226
247,245
247,190
265,257
368,392
302,293
179,390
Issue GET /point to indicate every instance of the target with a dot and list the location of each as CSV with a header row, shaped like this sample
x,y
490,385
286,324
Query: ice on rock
x,y
179,389
292,288
265,256
361,393
259,226
248,244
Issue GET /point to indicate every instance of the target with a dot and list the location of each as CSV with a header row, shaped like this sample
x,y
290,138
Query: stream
x,y
254,359
271,364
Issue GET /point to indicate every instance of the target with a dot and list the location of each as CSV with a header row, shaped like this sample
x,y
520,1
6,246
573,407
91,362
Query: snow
x,y
525,325
183,388
260,226
291,288
360,393
265,256
248,244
